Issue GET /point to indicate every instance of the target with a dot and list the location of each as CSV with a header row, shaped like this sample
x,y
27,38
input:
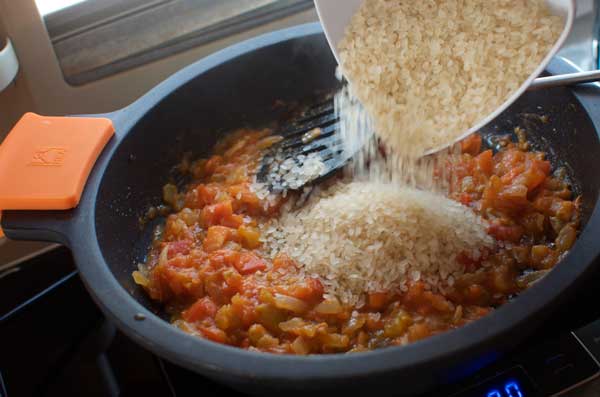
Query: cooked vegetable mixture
x,y
207,269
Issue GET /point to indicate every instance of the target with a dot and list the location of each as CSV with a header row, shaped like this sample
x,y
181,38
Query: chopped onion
x,y
531,278
170,194
354,324
140,279
329,306
335,341
299,327
289,303
300,346
164,256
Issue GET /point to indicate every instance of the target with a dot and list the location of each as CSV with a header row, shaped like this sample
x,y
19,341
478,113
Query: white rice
x,y
363,237
428,70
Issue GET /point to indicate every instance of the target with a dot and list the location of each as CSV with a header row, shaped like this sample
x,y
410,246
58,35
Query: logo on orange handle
x,y
45,161
49,156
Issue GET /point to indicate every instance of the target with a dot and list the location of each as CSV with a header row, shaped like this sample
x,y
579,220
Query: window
x,y
96,38
49,6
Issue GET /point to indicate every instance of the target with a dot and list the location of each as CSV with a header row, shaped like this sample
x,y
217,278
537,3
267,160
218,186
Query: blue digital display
x,y
510,389
512,383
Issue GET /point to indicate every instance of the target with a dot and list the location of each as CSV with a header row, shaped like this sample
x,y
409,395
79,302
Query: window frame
x,y
97,17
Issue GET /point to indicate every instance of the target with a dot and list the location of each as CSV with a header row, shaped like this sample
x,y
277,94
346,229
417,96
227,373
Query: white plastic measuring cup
x,y
335,15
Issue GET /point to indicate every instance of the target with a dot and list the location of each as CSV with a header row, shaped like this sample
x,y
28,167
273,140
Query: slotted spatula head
x,y
311,149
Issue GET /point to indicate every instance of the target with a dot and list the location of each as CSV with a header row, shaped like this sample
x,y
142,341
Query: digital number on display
x,y
510,389
511,383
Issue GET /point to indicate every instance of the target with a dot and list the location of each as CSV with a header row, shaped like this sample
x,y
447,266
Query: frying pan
x,y
237,87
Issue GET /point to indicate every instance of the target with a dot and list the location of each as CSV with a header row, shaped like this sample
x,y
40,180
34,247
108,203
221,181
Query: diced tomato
x,y
512,198
514,192
415,298
425,302
490,192
203,308
309,290
282,261
465,198
415,290
437,302
484,162
206,194
249,263
215,213
511,233
182,261
238,192
474,293
536,174
211,165
222,258
471,144
507,160
512,173
377,300
245,309
213,333
216,237
469,263
418,331
249,236
234,221
233,279
543,203
179,247
245,200
217,288
177,278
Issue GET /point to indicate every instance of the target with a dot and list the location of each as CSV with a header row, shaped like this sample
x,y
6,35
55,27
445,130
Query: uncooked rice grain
x,y
363,237
428,70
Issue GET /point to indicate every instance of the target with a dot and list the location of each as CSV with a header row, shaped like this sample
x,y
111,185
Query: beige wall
x,y
40,86
14,101
16,97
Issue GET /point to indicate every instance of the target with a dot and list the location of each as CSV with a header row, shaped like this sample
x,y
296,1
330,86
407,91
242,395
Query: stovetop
x,y
55,342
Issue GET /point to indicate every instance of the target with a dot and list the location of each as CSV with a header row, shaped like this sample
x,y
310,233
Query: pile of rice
x,y
363,237
427,71
420,74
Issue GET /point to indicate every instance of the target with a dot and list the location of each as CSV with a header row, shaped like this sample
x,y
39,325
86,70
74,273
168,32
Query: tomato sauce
x,y
206,266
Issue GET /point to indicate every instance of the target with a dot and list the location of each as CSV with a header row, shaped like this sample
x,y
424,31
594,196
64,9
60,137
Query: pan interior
x,y
245,92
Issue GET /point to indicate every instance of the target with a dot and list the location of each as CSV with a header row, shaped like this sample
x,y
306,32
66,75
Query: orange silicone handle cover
x,y
45,161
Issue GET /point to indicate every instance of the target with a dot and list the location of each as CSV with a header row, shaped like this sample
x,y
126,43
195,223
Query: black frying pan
x,y
237,87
